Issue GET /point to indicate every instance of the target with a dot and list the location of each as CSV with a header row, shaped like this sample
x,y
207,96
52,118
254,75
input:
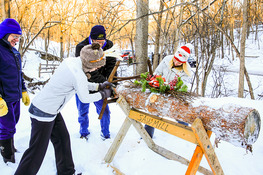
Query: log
x,y
235,124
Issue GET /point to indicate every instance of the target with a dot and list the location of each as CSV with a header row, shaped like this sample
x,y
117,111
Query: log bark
x,y
235,124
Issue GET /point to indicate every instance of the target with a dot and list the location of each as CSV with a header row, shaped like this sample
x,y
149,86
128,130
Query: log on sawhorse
x,y
195,134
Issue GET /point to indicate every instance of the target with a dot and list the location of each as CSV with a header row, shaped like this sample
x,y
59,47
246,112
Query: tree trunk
x,y
157,37
235,124
177,36
141,42
61,47
5,8
242,51
208,68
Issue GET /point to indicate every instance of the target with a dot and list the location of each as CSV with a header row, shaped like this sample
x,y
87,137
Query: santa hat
x,y
182,54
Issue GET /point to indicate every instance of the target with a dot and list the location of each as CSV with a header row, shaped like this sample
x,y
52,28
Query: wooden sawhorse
x,y
195,134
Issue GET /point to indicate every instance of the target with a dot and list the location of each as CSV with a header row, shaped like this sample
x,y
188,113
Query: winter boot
x,y
7,151
13,146
85,137
150,130
103,137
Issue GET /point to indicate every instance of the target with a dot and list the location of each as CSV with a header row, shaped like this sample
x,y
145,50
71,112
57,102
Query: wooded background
x,y
208,25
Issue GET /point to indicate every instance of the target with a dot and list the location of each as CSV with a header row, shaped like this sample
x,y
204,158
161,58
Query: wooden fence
x,y
47,68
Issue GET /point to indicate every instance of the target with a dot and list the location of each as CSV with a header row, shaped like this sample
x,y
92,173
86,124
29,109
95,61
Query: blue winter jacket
x,y
11,76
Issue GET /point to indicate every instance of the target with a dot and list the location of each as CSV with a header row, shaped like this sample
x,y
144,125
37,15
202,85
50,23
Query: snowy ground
x,y
133,156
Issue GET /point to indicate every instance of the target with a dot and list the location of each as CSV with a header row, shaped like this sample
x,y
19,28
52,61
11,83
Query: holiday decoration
x,y
158,84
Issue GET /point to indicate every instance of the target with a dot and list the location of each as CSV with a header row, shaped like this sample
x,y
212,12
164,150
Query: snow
x,y
133,156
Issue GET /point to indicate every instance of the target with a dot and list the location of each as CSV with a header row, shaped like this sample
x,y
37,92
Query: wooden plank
x,y
46,68
47,72
117,141
196,158
174,128
122,132
206,147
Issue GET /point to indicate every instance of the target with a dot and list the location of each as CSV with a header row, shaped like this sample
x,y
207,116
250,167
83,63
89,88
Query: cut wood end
x,y
153,98
252,127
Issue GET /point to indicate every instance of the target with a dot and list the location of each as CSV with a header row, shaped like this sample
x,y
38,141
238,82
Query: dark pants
x,y
150,130
41,132
8,122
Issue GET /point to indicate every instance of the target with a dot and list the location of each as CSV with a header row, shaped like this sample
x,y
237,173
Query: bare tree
x,y
5,8
141,41
157,37
242,50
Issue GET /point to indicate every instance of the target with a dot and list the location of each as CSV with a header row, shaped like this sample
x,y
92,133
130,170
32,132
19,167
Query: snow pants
x,y
83,110
41,132
9,121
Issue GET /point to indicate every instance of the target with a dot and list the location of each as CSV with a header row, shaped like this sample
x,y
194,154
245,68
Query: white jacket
x,y
67,80
164,69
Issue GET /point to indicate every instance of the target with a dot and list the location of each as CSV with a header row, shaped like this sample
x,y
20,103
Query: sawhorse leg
x,y
117,141
204,147
196,158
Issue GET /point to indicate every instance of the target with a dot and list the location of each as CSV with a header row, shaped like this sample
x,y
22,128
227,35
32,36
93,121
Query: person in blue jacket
x,y
12,87
98,35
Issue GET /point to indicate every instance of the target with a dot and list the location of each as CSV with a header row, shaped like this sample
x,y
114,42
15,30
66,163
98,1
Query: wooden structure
x,y
232,123
237,125
47,68
195,134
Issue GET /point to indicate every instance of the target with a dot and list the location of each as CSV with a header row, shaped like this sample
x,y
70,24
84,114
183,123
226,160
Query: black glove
x,y
104,85
105,93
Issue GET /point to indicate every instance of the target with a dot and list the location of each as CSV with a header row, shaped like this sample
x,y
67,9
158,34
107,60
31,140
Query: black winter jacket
x,y
102,74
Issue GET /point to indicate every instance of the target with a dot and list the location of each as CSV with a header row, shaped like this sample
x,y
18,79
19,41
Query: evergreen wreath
x,y
158,84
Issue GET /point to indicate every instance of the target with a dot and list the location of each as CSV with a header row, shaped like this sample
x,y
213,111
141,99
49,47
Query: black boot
x,y
13,146
7,151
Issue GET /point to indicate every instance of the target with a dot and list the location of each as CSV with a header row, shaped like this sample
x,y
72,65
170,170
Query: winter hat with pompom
x,y
8,26
92,56
182,54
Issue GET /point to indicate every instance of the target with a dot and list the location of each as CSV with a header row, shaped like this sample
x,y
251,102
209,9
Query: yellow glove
x,y
25,98
3,107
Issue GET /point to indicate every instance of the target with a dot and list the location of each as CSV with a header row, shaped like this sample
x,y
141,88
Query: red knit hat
x,y
183,53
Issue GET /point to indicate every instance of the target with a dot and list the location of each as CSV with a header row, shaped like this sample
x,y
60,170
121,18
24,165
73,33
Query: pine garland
x,y
158,84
